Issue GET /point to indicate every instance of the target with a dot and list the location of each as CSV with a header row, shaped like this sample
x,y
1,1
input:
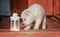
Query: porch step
x,y
30,33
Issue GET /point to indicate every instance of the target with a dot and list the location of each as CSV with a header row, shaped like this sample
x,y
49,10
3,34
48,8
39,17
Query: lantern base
x,y
14,29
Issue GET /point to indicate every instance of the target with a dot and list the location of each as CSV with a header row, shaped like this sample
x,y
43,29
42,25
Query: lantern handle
x,y
15,10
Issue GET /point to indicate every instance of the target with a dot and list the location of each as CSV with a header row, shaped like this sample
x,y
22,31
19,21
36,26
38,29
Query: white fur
x,y
34,13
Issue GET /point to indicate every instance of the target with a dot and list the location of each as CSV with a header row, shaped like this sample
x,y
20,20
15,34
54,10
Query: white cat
x,y
34,13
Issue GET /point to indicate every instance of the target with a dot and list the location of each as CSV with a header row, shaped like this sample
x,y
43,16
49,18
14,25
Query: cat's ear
x,y
27,12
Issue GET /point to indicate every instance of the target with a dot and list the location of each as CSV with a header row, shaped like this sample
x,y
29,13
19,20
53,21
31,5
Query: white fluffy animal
x,y
34,13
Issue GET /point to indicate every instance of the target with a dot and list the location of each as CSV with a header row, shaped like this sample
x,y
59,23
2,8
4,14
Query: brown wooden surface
x,y
31,33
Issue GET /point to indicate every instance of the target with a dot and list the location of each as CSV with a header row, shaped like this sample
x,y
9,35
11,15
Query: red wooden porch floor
x,y
31,33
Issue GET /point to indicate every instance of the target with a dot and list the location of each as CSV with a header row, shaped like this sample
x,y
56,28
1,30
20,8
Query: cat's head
x,y
26,16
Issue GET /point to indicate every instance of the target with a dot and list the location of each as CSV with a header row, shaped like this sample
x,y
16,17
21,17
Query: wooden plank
x,y
56,7
30,34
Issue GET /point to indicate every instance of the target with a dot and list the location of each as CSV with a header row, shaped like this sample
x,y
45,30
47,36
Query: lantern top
x,y
15,14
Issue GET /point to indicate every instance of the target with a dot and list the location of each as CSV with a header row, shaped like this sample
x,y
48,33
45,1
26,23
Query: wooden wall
x,y
56,7
51,6
20,5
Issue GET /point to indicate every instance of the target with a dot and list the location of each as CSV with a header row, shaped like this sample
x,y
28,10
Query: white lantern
x,y
14,22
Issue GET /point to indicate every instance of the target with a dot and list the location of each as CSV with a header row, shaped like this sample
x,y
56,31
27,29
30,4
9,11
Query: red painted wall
x,y
20,5
51,6
56,7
